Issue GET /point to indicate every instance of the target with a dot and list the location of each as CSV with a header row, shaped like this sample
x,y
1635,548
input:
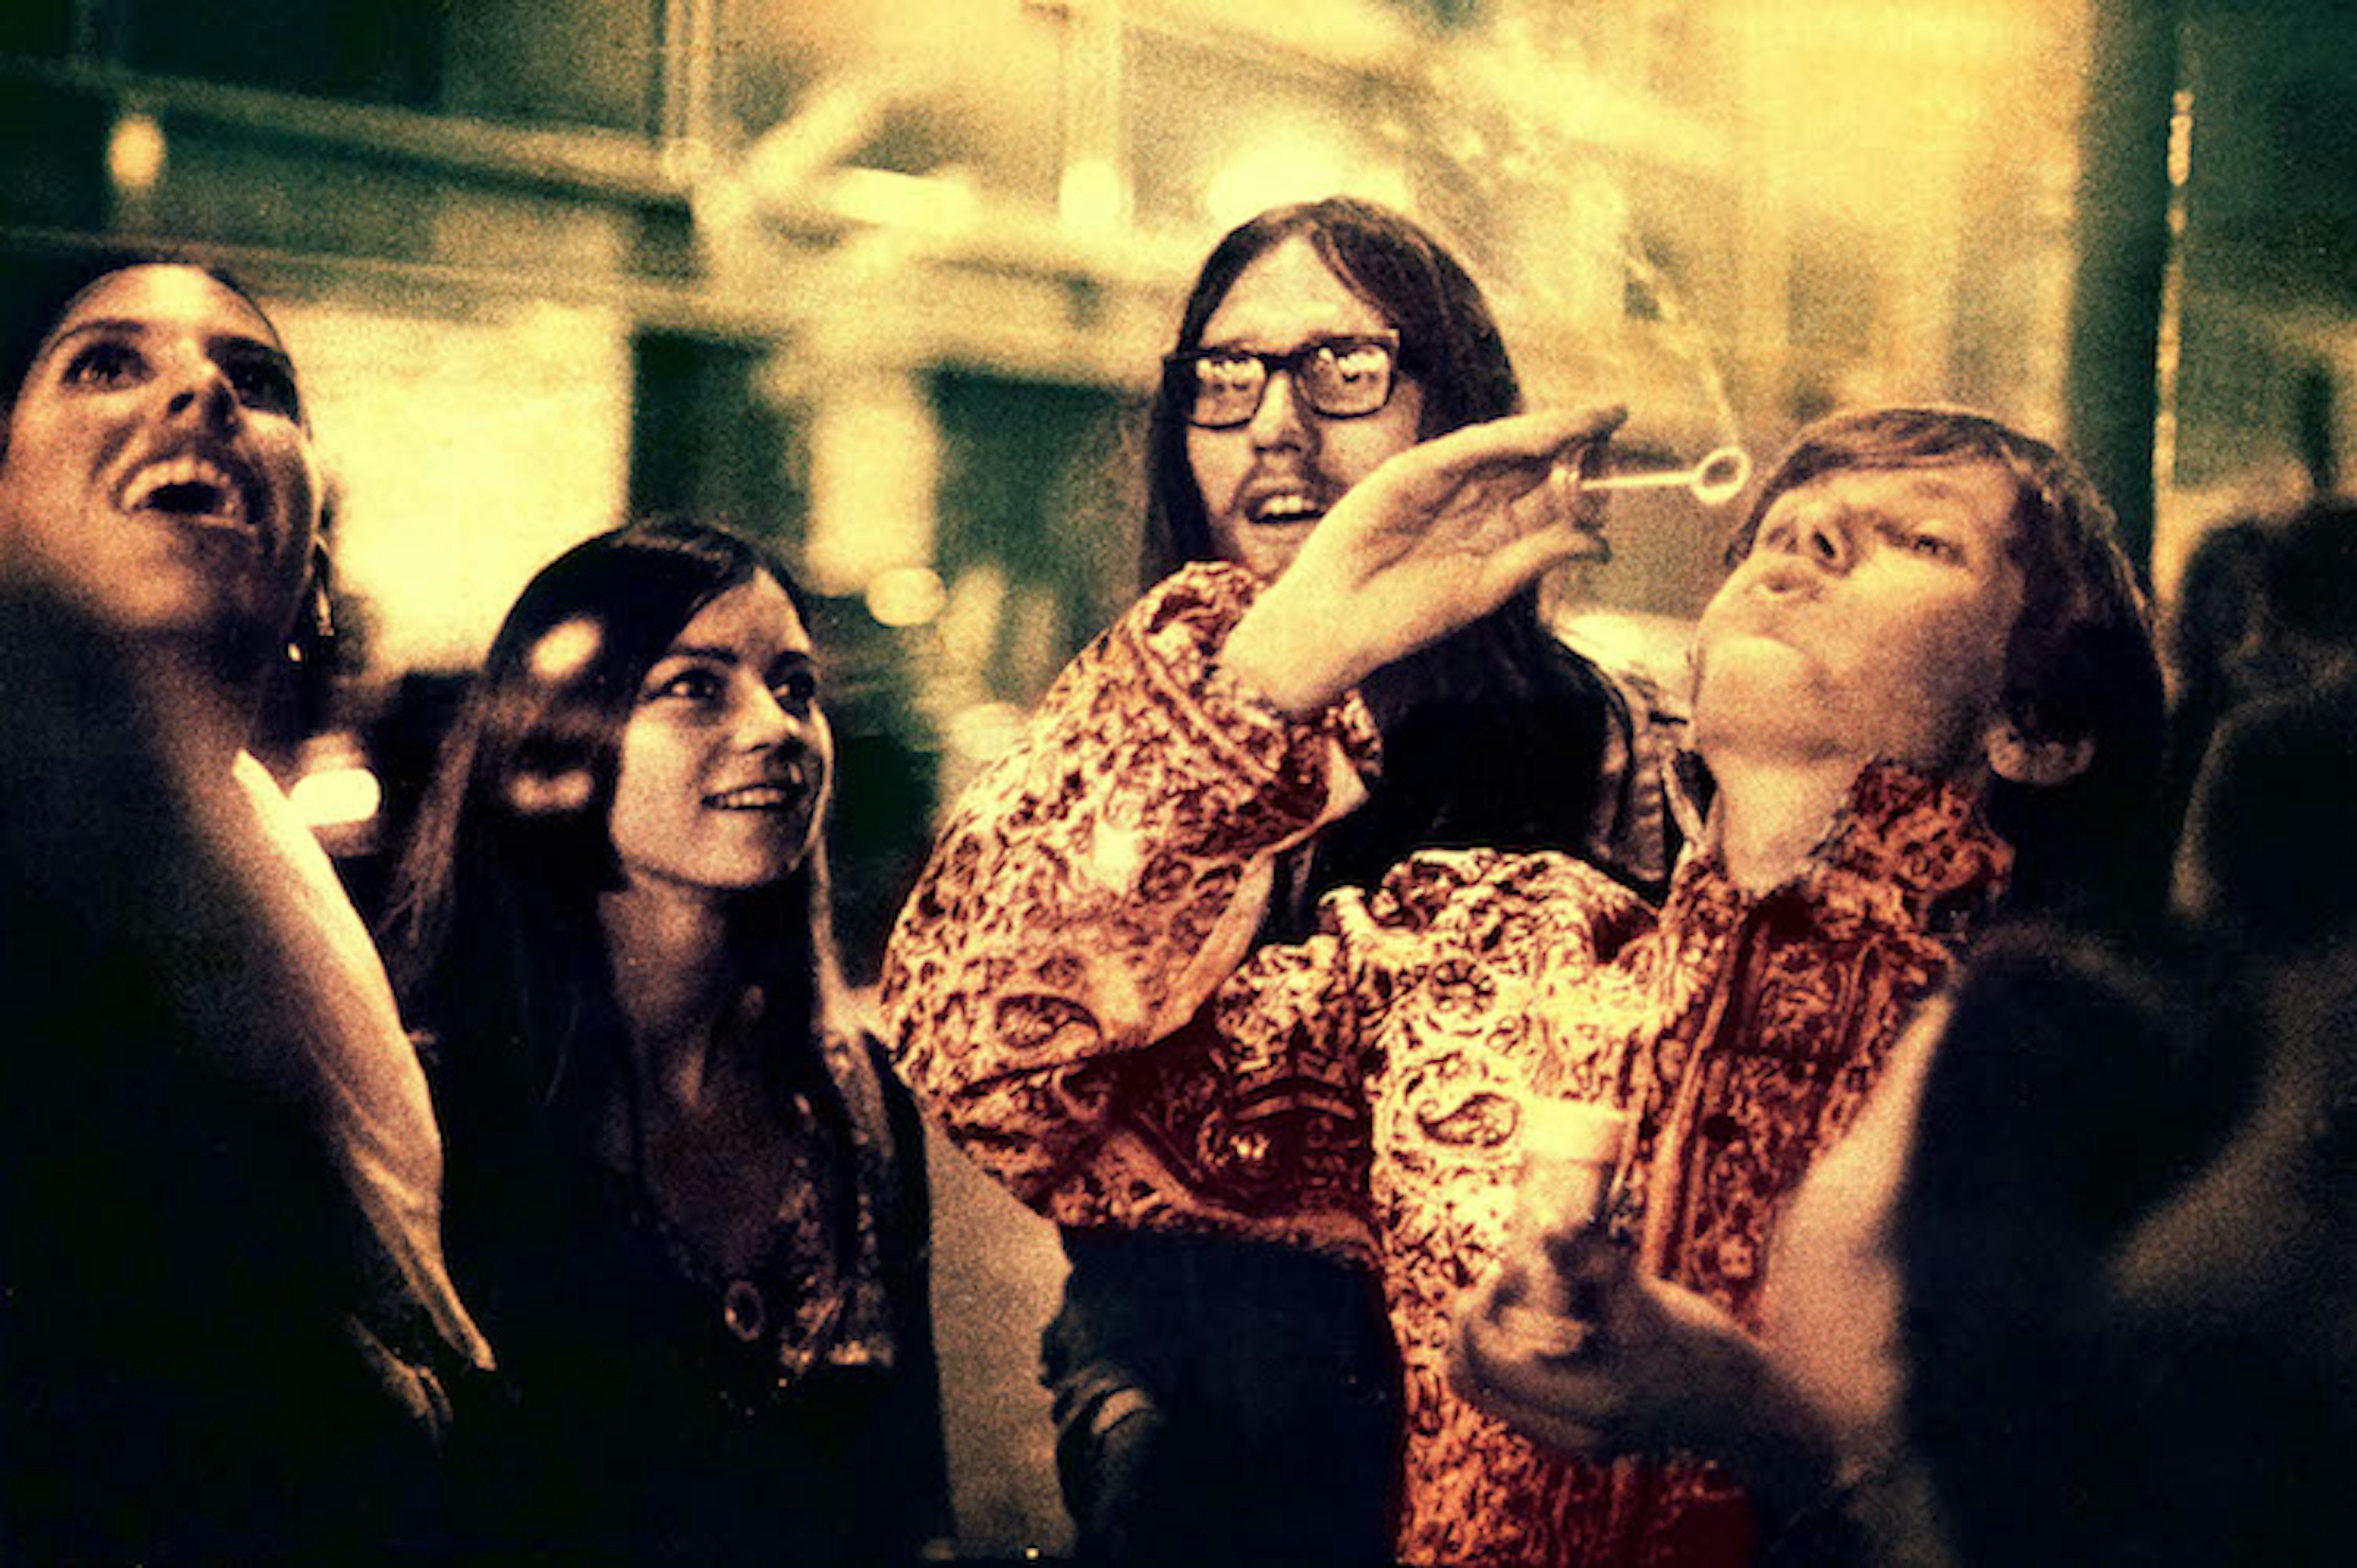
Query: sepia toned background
x,y
886,281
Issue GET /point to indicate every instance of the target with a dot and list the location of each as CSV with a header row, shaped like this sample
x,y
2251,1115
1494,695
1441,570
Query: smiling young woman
x,y
686,1194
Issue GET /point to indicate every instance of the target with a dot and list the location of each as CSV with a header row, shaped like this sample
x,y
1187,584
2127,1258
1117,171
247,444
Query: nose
x,y
1280,421
1818,536
202,392
764,722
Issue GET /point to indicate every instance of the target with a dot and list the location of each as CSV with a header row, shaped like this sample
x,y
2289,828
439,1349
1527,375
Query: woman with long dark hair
x,y
686,1193
227,1327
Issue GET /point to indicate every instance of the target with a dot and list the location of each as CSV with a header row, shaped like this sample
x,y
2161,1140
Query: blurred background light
x,y
943,201
336,797
906,596
1090,193
981,733
565,651
135,153
1284,164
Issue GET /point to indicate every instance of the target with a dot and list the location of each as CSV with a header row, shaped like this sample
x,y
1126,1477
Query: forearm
x,y
1096,886
1778,1442
1824,1494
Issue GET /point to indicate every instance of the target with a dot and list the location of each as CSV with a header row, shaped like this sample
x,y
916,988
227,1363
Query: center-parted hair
x,y
492,931
1495,735
1449,345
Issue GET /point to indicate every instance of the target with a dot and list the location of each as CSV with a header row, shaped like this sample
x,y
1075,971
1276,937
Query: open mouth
x,y
770,795
1283,508
188,490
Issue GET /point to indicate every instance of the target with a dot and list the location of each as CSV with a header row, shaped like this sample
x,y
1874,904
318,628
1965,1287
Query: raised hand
x,y
1431,541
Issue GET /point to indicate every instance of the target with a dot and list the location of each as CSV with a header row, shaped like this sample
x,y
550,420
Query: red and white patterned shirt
x,y
1068,992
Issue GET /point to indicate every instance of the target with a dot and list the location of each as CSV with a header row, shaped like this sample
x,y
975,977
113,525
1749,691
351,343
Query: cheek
x,y
295,477
50,516
1218,459
1967,645
1356,447
31,478
652,782
822,745
625,818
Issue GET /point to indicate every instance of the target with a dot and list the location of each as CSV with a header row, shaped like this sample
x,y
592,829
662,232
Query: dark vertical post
x,y
2109,392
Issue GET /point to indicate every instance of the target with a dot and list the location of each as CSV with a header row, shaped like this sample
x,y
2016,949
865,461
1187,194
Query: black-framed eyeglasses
x,y
1339,378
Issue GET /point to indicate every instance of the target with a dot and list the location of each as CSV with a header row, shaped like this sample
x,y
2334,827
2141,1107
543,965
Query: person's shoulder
x,y
1641,655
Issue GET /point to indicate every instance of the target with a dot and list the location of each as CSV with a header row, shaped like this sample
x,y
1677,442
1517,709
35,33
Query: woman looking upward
x,y
160,498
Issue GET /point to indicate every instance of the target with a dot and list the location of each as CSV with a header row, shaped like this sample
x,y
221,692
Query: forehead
x,y
166,297
1287,294
754,619
1977,495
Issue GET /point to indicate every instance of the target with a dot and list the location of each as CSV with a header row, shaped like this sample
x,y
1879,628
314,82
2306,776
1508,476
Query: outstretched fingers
x,y
1547,546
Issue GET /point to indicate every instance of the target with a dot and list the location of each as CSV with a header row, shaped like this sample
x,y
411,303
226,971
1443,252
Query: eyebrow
x,y
1234,342
1938,485
126,326
718,655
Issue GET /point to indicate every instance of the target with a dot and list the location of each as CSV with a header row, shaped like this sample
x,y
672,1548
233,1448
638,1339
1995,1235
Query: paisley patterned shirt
x,y
1068,991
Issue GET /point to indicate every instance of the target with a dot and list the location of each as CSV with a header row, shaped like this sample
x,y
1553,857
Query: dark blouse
x,y
654,1408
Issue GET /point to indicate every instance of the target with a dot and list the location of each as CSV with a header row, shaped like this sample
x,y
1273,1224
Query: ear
x,y
2014,757
320,597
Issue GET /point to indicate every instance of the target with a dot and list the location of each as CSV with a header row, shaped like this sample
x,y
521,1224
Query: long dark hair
x,y
1448,342
492,929
1493,735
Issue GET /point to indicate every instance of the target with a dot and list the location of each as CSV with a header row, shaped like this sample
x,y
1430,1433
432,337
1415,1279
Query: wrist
x,y
1283,658
1786,1454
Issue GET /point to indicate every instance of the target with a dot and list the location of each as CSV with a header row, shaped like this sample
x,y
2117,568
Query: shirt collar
x,y
1917,846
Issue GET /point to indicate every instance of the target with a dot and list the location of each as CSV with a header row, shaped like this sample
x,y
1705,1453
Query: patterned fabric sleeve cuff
x,y
1181,626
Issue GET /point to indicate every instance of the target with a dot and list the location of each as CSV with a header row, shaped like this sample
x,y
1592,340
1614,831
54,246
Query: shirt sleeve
x,y
1045,989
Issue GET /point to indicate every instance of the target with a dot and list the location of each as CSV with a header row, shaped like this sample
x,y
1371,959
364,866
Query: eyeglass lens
x,y
1338,379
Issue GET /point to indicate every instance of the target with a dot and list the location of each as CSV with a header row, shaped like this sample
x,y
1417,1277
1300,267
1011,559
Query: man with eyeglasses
x,y
1219,1401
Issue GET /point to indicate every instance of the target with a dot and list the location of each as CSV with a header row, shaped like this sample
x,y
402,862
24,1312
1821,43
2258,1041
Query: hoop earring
x,y
323,612
319,614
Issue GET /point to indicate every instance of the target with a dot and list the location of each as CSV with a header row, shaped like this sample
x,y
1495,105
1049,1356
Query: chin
x,y
1263,551
772,870
164,612
1758,686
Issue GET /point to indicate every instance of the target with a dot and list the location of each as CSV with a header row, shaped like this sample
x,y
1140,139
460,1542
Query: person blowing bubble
x,y
1220,1399
1928,652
